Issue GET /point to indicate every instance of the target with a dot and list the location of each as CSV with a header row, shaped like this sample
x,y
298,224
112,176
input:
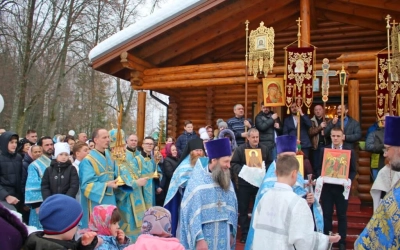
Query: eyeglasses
x,y
386,149
148,144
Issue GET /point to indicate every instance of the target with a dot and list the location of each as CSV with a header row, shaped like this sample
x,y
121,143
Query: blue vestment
x,y
175,191
207,211
33,190
94,173
383,230
267,184
131,203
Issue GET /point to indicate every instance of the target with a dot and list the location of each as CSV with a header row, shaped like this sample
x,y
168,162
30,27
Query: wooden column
x,y
305,24
141,116
210,106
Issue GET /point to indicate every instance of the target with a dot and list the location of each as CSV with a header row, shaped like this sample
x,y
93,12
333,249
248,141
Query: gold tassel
x,y
386,103
288,112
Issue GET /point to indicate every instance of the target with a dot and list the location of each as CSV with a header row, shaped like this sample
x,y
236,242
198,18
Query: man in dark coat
x,y
246,191
269,125
10,171
352,129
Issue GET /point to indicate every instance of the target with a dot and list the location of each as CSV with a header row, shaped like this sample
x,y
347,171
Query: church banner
x,y
382,88
299,76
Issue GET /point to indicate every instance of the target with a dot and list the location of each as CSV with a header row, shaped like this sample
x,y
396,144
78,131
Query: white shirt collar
x,y
283,186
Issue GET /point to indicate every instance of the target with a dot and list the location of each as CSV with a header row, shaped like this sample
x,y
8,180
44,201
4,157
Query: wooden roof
x,y
215,32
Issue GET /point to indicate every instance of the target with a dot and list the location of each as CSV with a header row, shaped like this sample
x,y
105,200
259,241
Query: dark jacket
x,y
183,139
60,178
265,125
10,169
239,159
170,164
352,131
374,144
353,166
36,241
25,164
290,129
315,132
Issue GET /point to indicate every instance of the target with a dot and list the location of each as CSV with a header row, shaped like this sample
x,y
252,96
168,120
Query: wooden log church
x,y
194,52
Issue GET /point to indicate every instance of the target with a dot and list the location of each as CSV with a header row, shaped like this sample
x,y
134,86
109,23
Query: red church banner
x,y
299,76
382,89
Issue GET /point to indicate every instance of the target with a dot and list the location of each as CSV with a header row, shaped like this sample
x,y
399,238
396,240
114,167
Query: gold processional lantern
x,y
261,50
343,76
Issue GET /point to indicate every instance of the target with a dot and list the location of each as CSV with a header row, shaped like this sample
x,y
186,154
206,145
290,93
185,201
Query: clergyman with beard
x,y
209,212
382,231
193,150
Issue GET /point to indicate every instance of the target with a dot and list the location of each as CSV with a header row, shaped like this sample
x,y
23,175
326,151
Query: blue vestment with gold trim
x,y
383,230
207,211
33,190
94,173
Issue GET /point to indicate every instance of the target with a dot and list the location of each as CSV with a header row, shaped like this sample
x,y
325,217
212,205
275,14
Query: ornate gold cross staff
x,y
246,72
388,17
299,32
343,77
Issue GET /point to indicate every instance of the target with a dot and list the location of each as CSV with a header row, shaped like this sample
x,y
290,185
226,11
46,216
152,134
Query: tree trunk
x,y
18,114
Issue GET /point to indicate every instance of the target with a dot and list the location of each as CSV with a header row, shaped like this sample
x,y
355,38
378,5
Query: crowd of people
x,y
74,193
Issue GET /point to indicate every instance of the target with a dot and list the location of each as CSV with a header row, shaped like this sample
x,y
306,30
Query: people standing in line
x,y
374,144
169,166
332,194
239,125
382,231
82,137
132,144
61,176
33,193
269,126
33,154
317,136
352,129
193,151
97,176
184,138
290,127
247,192
31,136
10,172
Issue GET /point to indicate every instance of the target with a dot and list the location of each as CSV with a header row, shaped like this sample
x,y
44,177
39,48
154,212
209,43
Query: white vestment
x,y
283,220
384,182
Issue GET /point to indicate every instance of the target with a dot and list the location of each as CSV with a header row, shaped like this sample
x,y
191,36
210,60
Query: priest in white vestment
x,y
208,216
283,220
383,183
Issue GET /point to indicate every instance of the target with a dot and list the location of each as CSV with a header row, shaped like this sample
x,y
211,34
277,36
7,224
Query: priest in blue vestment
x,y
286,145
208,216
97,176
193,150
383,230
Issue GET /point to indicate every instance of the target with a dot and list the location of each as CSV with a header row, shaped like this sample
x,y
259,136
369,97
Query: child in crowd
x,y
59,216
81,150
61,177
156,232
105,222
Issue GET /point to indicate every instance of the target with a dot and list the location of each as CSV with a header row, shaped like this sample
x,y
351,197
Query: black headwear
x,y
193,144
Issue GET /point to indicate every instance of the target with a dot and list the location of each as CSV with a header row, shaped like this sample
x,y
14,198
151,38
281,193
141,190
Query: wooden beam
x,y
313,16
378,4
305,24
222,40
201,23
350,19
353,9
141,116
136,60
194,68
197,83
196,75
